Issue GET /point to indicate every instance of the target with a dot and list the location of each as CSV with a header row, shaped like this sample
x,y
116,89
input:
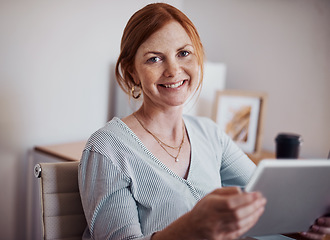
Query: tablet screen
x,y
297,192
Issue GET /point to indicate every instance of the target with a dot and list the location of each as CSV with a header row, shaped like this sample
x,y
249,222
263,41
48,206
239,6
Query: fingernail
x,y
259,202
263,201
315,228
321,221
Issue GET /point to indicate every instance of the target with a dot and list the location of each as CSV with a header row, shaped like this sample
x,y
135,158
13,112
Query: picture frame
x,y
241,115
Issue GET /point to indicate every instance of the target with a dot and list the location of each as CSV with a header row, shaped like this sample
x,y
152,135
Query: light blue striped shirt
x,y
127,193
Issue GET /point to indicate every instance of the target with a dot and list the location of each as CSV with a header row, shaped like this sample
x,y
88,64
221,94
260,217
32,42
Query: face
x,y
166,67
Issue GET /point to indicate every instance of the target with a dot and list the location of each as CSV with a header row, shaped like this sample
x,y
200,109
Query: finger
x,y
246,211
244,223
239,200
236,227
320,229
323,221
310,235
251,211
227,191
245,226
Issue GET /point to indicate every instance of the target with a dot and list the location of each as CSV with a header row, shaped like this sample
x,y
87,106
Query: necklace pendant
x,y
176,159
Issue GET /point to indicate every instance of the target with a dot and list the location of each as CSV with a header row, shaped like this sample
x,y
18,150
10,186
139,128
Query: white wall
x,y
55,71
55,60
281,47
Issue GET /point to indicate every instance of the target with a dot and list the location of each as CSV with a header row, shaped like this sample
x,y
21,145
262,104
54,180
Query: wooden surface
x,y
72,152
257,157
67,151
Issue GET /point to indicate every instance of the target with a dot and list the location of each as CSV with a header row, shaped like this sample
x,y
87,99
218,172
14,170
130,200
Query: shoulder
x,y
203,125
199,121
206,130
115,133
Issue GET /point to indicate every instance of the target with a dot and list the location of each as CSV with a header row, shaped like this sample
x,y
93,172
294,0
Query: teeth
x,y
174,85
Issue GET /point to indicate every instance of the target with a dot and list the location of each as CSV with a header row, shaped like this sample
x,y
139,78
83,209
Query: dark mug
x,y
288,145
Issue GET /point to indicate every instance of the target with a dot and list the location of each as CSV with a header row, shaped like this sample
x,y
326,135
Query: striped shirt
x,y
127,193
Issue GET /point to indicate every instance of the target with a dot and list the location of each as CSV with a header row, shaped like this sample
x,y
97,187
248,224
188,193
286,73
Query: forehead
x,y
171,35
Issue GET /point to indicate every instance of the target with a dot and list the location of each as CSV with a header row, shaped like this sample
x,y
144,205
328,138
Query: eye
x,y
154,59
183,53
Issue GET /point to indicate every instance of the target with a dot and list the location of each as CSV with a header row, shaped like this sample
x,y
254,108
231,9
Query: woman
x,y
157,174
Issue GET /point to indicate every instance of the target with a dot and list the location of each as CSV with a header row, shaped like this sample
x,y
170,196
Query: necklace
x,y
161,143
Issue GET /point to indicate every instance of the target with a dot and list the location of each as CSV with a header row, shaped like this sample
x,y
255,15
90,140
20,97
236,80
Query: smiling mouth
x,y
175,85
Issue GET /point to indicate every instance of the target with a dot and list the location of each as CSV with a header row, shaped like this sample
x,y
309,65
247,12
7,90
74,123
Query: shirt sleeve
x,y
109,207
236,167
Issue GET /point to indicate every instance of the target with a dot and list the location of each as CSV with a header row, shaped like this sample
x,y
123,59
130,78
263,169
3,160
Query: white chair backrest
x,y
62,213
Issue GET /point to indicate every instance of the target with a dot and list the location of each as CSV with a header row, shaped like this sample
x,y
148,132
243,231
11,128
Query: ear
x,y
134,76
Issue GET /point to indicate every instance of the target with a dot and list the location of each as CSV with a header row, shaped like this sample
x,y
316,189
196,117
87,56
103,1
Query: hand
x,y
226,213
319,229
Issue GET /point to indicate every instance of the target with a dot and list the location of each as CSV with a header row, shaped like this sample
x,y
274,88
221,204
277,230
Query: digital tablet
x,y
297,193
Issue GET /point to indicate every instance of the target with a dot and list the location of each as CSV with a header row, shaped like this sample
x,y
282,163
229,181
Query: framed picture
x,y
240,114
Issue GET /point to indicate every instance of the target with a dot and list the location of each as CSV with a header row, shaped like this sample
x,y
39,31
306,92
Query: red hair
x,y
140,27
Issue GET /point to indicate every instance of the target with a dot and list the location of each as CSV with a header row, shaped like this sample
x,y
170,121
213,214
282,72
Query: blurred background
x,y
57,84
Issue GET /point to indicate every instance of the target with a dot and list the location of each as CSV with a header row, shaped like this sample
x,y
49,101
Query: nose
x,y
172,68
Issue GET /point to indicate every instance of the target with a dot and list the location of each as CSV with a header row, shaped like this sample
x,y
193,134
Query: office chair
x,y
62,212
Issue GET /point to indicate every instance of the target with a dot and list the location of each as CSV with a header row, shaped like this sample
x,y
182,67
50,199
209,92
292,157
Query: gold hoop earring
x,y
133,93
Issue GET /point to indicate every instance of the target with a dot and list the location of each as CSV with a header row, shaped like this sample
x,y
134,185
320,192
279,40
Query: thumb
x,y
227,191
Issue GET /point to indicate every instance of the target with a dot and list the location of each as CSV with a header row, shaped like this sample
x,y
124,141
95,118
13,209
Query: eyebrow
x,y
152,52
157,53
185,46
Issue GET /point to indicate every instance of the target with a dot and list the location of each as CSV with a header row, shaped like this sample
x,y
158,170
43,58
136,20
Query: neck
x,y
167,125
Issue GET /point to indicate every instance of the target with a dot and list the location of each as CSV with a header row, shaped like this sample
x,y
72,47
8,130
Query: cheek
x,y
193,68
194,72
148,75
